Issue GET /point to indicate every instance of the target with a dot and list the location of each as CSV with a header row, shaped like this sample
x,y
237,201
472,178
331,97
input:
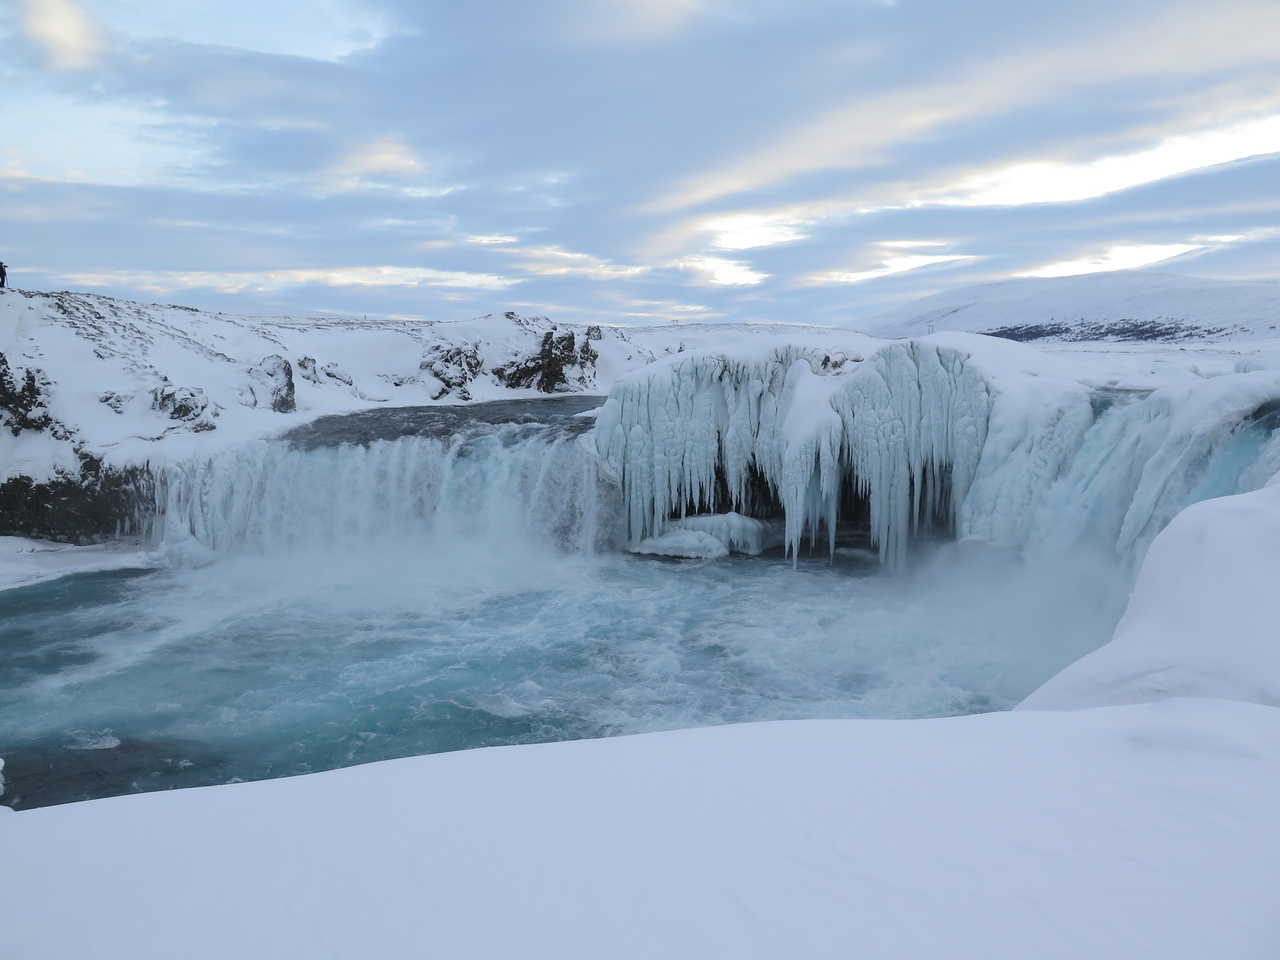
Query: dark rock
x,y
22,405
307,369
180,403
1159,330
270,384
454,367
116,401
548,370
46,773
99,504
594,332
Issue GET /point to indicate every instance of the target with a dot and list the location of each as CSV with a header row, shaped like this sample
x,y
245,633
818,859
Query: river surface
x,y
405,582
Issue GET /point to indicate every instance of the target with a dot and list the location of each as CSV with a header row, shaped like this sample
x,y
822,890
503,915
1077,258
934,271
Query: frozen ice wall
x,y
986,437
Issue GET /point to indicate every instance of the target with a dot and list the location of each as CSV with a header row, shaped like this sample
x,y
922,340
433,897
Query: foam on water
x,y
336,603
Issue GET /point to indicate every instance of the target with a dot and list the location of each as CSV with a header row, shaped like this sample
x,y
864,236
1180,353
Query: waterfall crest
x,y
495,483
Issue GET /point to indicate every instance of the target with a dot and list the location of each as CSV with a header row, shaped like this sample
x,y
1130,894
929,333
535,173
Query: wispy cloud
x,y
70,39
556,262
721,272
1064,182
888,267
270,281
1125,256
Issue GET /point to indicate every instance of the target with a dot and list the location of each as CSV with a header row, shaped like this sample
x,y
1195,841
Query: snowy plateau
x,y
958,637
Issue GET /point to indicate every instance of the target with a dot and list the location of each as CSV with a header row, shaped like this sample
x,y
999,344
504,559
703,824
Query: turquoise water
x,y
253,668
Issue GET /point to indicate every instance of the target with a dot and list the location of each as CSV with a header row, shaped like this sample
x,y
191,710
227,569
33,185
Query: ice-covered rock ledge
x,y
955,427
961,433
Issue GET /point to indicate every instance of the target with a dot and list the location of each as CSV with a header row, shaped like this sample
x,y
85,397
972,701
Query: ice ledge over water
x,y
982,437
905,421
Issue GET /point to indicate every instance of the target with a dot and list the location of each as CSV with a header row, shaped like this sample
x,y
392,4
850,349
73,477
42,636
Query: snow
x,y
24,562
688,544
1204,618
106,358
1140,831
739,534
1115,305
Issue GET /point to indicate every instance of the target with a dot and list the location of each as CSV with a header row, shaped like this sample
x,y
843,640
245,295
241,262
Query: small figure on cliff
x,y
4,276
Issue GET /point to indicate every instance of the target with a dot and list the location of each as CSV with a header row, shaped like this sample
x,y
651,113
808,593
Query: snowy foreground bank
x,y
1141,827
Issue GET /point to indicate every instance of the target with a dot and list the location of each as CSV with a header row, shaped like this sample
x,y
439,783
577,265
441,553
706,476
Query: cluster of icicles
x,y
1030,463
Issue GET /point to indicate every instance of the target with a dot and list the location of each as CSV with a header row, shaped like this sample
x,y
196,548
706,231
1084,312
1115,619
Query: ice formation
x,y
985,438
687,544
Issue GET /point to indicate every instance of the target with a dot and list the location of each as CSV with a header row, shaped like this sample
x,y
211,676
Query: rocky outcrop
x,y
454,366
559,365
187,404
98,504
310,371
270,384
22,403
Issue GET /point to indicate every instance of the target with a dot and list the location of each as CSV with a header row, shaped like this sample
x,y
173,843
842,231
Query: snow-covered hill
x,y
132,382
1124,305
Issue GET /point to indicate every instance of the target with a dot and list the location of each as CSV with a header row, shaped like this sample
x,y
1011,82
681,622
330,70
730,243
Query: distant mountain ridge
x,y
1119,306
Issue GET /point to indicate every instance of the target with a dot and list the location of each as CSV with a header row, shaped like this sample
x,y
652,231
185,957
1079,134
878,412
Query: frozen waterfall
x,y
979,437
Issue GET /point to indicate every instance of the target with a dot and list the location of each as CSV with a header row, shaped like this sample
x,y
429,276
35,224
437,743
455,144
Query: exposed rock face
x,y
454,367
188,404
270,384
559,365
100,503
22,405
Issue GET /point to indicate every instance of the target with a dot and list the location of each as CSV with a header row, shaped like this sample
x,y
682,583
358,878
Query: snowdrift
x,y
1204,618
998,836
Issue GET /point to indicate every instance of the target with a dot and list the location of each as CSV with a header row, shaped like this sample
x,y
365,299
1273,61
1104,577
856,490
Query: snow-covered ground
x,y
1143,830
134,383
1124,305
24,561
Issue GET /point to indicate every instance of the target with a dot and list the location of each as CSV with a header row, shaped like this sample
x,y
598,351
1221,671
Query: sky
x,y
630,161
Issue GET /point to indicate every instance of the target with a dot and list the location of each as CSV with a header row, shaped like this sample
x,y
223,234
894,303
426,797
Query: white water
x,y
349,603
494,484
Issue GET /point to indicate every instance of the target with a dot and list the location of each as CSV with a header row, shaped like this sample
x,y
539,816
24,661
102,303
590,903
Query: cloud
x,y
270,281
1063,182
1189,38
629,159
386,156
556,262
632,20
889,266
1128,256
748,231
69,38
720,272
